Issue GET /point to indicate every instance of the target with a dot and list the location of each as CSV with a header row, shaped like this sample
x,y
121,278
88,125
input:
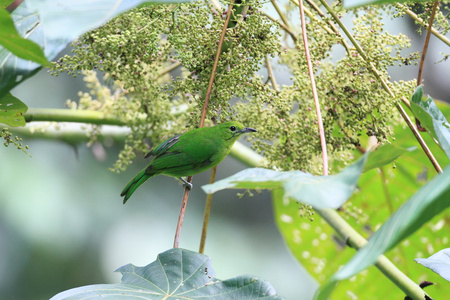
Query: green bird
x,y
189,153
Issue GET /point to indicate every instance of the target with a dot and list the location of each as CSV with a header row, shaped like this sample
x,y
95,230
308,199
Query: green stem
x,y
353,238
69,135
68,115
423,23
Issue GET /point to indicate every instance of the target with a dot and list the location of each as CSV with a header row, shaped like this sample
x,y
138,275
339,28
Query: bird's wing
x,y
162,148
187,157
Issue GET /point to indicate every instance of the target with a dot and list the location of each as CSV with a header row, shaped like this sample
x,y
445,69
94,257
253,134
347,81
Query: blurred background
x,y
63,225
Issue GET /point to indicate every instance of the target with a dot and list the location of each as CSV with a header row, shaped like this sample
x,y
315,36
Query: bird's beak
x,y
247,129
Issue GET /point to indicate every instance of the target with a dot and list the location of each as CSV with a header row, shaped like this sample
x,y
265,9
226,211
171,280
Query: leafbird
x,y
189,153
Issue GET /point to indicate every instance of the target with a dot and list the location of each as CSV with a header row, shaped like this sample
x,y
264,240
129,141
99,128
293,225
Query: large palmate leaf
x,y
429,201
176,274
52,24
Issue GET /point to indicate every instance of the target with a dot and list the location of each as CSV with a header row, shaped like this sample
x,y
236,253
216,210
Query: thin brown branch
x,y
323,142
426,43
202,122
207,213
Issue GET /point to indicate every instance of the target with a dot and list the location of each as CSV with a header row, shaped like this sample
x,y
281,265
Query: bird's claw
x,y
186,184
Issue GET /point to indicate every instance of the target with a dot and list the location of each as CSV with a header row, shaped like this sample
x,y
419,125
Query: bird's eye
x,y
232,128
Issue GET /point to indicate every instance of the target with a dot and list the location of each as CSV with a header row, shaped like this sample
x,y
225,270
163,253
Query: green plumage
x,y
189,153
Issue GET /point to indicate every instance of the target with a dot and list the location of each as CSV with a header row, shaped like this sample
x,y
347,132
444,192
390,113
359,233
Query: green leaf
x,y
300,186
176,274
438,263
52,24
384,155
306,188
11,110
14,69
325,191
429,201
432,119
253,178
11,40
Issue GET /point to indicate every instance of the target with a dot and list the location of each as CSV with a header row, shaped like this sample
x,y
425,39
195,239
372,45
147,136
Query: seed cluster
x,y
134,49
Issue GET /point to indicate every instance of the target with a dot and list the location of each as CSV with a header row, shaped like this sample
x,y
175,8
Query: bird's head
x,y
233,130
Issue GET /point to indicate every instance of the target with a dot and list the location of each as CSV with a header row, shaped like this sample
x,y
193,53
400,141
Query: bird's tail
x,y
139,179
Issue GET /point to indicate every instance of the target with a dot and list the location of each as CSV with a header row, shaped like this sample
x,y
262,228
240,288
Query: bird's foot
x,y
186,184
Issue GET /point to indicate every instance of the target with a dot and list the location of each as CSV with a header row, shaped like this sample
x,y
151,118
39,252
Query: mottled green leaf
x,y
11,110
429,201
438,263
176,274
432,119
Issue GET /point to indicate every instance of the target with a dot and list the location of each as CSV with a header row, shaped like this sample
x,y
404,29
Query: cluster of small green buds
x,y
16,141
